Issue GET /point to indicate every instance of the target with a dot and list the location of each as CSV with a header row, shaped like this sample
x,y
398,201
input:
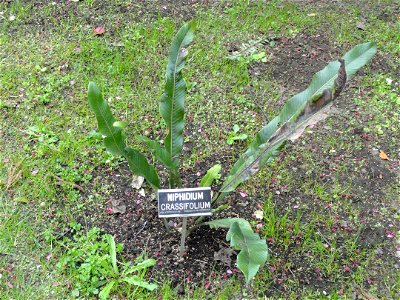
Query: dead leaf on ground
x,y
137,182
224,255
14,174
99,30
360,25
118,207
383,155
363,294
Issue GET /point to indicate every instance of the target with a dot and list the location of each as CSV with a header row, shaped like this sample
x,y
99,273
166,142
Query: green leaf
x,y
140,266
253,250
230,140
105,291
114,139
113,252
120,124
160,153
240,137
358,57
212,174
140,166
136,280
307,107
227,223
173,99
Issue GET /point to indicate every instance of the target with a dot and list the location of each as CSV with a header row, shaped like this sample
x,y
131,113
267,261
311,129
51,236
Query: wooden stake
x,y
183,237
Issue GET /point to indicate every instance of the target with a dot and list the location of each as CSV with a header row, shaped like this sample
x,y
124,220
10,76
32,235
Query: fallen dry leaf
x,y
224,255
137,182
118,207
363,294
360,25
99,30
383,155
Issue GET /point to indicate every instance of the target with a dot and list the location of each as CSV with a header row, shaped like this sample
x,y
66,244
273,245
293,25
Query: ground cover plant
x,y
327,205
92,265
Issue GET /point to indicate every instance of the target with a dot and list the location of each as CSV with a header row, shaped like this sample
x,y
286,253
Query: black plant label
x,y
184,202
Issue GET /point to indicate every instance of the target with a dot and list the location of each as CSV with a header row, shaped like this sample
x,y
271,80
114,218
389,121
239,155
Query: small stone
x,y
375,151
137,182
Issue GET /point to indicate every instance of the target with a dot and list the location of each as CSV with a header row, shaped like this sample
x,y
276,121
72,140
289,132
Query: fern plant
x,y
303,109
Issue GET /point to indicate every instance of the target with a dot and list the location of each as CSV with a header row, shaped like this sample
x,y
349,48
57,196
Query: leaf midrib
x,y
173,97
102,113
246,250
275,144
348,66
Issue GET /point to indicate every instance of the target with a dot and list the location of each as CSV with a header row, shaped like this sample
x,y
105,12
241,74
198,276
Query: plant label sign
x,y
184,202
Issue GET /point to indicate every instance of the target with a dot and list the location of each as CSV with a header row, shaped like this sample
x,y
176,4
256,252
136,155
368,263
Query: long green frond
x,y
173,99
300,110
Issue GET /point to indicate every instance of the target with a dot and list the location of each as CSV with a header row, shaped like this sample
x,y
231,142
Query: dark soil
x,y
140,229
294,61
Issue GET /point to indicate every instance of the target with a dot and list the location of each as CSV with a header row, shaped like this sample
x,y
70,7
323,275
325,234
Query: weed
x,y
234,136
90,261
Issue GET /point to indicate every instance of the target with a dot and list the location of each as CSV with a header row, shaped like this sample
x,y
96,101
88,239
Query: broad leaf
x,y
227,223
358,57
140,166
136,280
254,251
173,99
120,124
160,153
299,111
113,252
212,174
105,291
114,139
140,266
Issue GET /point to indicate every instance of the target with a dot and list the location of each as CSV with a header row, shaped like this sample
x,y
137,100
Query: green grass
x,y
23,252
46,126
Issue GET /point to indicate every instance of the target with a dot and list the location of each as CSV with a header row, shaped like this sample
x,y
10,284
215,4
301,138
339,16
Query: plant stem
x,y
183,237
166,225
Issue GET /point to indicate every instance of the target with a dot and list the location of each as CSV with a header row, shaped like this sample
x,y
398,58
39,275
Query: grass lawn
x,y
330,201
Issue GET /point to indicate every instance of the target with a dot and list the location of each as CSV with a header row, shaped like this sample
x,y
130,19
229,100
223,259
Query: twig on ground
x,y
61,181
